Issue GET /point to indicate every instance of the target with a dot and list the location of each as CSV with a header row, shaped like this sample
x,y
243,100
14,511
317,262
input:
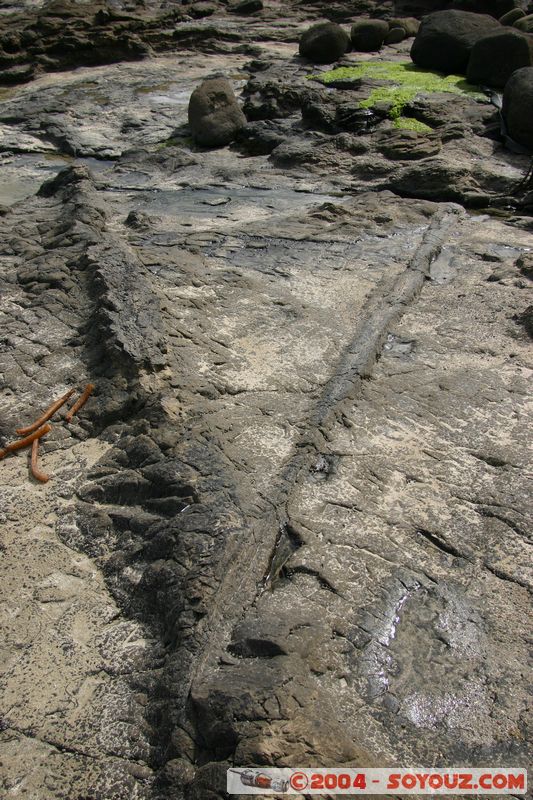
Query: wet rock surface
x,y
291,527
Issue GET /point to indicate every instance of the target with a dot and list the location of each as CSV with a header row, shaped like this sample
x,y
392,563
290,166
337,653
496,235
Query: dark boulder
x,y
202,9
493,7
324,43
245,6
512,16
369,35
525,24
395,35
446,38
495,57
517,105
215,117
409,24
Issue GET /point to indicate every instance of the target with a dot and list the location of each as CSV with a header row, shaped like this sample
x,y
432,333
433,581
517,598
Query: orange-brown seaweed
x,y
80,402
20,443
47,414
35,471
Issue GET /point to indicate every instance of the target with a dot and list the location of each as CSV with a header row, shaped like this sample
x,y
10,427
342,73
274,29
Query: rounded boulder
x,y
324,43
395,35
410,25
368,35
525,24
446,38
495,57
516,106
512,16
215,117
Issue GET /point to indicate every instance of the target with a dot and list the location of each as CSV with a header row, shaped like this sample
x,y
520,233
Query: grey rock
x,y
404,145
261,137
324,43
446,38
215,117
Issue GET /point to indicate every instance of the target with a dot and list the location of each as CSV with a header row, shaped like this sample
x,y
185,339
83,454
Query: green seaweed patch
x,y
411,124
175,141
406,79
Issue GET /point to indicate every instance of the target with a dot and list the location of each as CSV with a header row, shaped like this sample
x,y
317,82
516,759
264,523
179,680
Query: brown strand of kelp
x,y
20,443
80,402
47,414
35,471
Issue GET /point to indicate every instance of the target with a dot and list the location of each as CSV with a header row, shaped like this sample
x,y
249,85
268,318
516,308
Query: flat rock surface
x,y
291,527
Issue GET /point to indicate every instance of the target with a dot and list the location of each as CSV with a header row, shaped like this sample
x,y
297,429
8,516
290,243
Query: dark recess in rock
x,y
526,319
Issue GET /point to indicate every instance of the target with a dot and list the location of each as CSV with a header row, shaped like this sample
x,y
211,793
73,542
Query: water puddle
x,y
234,203
23,175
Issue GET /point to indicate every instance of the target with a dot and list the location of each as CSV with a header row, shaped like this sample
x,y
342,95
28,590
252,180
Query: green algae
x,y
411,124
406,82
